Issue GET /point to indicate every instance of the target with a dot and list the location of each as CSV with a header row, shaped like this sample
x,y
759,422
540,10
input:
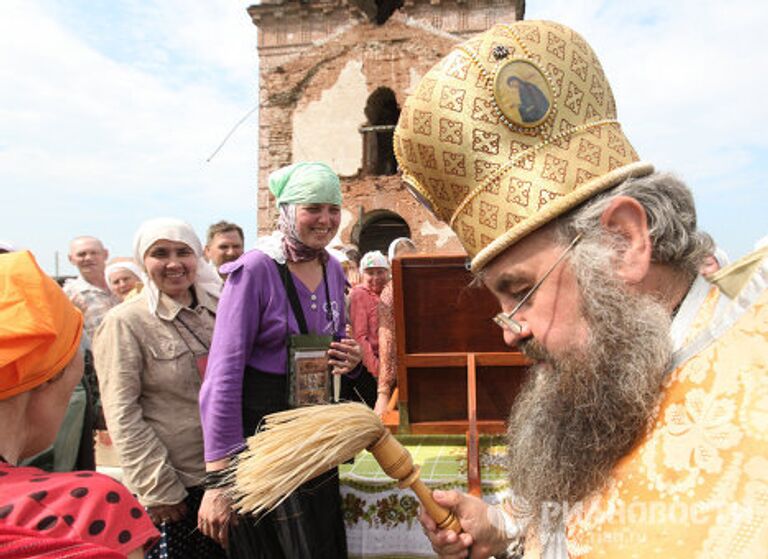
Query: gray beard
x,y
584,409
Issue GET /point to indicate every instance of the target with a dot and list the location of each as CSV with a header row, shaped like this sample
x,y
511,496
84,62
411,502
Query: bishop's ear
x,y
626,217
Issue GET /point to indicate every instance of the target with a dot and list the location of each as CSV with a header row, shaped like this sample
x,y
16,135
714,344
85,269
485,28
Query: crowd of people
x,y
64,514
647,389
189,350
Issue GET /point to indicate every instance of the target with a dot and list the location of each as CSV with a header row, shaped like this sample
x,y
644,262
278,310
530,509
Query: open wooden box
x,y
455,374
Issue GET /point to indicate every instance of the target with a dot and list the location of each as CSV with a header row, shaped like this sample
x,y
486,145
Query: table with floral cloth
x,y
381,519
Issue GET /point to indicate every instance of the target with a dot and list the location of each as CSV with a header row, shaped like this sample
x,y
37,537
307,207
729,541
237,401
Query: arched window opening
x,y
385,8
378,229
381,112
378,11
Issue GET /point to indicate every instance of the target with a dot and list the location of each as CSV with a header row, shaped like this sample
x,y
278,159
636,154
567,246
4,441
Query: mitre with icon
x,y
511,129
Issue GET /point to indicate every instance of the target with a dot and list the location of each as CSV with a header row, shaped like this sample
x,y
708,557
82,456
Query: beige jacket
x,y
149,384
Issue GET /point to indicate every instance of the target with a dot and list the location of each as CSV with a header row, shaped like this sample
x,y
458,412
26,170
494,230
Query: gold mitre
x,y
511,129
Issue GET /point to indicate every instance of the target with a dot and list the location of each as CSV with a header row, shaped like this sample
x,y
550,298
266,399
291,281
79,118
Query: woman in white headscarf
x,y
123,276
150,355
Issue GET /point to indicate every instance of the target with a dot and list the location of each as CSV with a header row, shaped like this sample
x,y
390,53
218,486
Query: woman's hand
x,y
344,355
167,513
214,516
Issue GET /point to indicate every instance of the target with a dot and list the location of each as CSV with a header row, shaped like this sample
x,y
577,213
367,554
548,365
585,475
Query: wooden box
x,y
455,374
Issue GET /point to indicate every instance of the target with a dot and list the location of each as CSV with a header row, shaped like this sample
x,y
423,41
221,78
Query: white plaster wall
x,y
414,78
443,234
347,217
326,129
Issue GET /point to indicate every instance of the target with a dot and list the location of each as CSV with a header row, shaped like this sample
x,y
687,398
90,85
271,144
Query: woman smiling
x,y
123,277
275,300
150,356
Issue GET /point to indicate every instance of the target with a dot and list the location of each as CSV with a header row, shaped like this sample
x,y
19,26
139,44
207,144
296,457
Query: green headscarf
x,y
305,183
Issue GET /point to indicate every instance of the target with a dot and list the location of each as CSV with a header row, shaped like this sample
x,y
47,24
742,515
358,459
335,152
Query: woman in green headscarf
x,y
246,375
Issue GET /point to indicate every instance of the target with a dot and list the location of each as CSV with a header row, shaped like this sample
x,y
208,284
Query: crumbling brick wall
x,y
319,61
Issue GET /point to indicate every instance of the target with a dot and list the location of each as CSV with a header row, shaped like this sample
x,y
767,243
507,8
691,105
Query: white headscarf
x,y
272,246
393,247
172,229
374,259
122,265
339,255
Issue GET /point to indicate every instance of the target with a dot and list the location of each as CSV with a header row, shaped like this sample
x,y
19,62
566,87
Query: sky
x,y
110,110
689,78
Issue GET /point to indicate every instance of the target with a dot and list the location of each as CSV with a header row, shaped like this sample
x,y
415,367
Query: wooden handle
x,y
397,463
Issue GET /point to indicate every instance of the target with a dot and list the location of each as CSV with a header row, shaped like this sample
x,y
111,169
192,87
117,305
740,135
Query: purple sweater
x,y
253,321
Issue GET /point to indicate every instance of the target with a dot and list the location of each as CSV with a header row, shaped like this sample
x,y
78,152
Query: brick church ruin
x,y
333,76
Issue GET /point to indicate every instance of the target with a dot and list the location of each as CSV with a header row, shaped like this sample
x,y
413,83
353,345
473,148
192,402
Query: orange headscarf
x,y
40,328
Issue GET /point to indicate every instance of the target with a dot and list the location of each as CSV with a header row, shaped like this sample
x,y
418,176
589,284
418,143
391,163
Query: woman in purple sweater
x,y
246,373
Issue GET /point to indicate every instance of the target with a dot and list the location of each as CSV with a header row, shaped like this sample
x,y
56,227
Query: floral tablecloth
x,y
381,519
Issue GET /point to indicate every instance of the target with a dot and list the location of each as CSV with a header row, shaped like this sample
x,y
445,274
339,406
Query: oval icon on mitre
x,y
522,93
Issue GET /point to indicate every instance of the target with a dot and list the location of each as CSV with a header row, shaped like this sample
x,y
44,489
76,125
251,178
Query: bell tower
x,y
333,76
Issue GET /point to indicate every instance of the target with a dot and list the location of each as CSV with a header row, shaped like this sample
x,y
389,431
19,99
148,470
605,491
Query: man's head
x,y
40,355
512,139
587,403
224,243
586,250
597,329
651,222
90,257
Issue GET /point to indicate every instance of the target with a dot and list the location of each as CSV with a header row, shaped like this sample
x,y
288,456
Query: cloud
x,y
688,77
110,117
109,110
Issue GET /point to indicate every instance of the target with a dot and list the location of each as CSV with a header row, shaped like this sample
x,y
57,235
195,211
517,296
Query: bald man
x,y
89,291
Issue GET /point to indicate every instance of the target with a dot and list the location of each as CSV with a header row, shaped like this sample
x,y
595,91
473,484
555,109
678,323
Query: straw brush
x,y
297,445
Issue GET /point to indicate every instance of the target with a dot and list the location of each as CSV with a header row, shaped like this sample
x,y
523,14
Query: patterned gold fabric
x,y
697,486
509,130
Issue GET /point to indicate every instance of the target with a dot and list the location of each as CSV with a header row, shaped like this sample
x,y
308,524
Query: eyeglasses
x,y
505,320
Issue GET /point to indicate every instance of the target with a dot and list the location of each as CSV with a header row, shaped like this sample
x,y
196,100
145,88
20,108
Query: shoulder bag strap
x,y
293,296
